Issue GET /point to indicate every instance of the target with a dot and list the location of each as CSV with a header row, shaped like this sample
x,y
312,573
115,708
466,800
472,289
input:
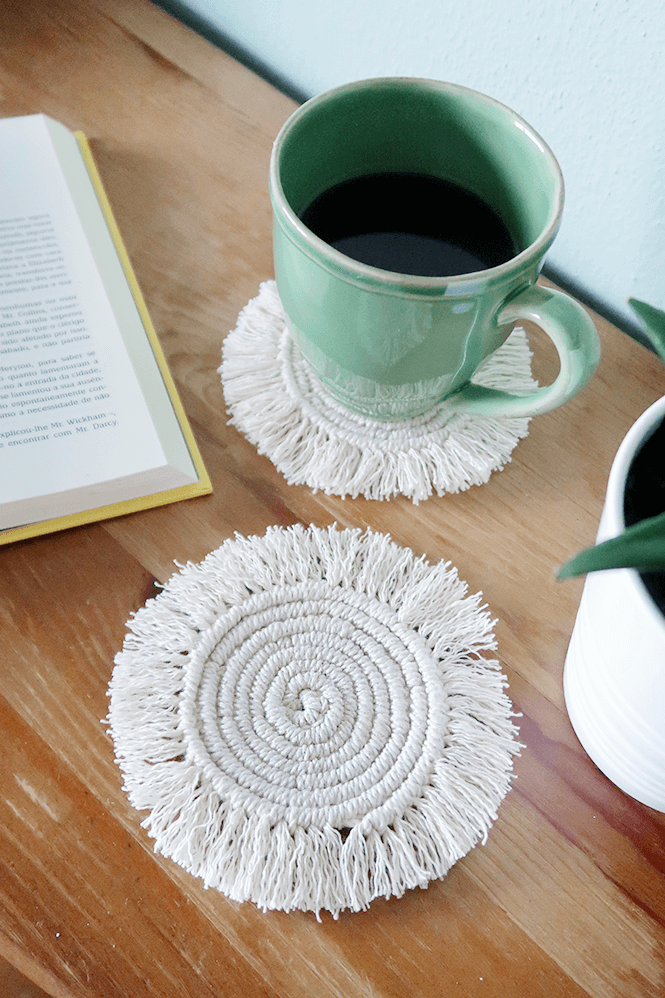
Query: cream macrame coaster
x,y
277,402
311,721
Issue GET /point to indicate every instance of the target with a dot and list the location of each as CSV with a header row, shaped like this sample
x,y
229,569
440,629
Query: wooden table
x,y
568,895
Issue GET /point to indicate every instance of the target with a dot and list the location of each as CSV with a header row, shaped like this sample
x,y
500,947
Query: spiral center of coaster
x,y
316,705
311,706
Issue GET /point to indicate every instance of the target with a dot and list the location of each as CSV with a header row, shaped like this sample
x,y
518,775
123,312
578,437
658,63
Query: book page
x,y
71,409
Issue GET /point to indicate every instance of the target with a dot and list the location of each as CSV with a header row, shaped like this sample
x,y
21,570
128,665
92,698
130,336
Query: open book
x,y
91,425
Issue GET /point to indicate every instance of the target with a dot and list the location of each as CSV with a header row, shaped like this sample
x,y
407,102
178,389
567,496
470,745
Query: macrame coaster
x,y
311,721
279,404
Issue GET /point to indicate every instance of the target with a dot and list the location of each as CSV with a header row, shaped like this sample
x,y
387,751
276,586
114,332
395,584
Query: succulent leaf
x,y
641,546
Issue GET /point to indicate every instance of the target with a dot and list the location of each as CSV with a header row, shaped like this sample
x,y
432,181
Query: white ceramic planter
x,y
614,676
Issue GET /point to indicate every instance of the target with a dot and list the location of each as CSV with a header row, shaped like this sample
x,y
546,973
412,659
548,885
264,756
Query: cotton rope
x,y
280,405
312,719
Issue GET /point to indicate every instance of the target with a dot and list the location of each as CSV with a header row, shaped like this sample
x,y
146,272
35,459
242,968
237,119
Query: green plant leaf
x,y
641,546
654,321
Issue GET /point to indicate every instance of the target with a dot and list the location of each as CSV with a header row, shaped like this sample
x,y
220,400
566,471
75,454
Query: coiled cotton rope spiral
x,y
311,719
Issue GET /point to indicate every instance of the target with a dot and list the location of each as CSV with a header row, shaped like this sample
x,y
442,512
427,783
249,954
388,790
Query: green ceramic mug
x,y
391,345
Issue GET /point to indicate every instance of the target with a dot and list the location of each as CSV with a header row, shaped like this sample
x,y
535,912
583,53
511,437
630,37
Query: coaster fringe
x,y
282,409
236,841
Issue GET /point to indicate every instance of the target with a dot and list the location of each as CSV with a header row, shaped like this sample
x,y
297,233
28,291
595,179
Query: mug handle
x,y
575,338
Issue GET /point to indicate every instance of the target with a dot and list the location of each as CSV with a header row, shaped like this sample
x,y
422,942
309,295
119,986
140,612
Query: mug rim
x,y
318,248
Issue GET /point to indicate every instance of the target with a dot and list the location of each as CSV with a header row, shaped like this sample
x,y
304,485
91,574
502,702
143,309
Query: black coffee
x,y
411,223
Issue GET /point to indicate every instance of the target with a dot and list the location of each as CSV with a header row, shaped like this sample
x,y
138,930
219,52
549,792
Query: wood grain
x,y
568,896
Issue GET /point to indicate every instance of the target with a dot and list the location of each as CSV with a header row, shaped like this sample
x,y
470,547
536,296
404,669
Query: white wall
x,y
589,76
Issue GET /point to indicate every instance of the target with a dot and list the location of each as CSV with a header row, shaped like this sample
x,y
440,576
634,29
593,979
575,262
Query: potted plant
x,y
614,676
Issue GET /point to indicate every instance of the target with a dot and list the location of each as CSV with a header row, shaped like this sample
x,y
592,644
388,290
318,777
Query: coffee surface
x,y
411,223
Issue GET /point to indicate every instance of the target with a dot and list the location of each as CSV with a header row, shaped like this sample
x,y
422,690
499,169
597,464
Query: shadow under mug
x,y
390,345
